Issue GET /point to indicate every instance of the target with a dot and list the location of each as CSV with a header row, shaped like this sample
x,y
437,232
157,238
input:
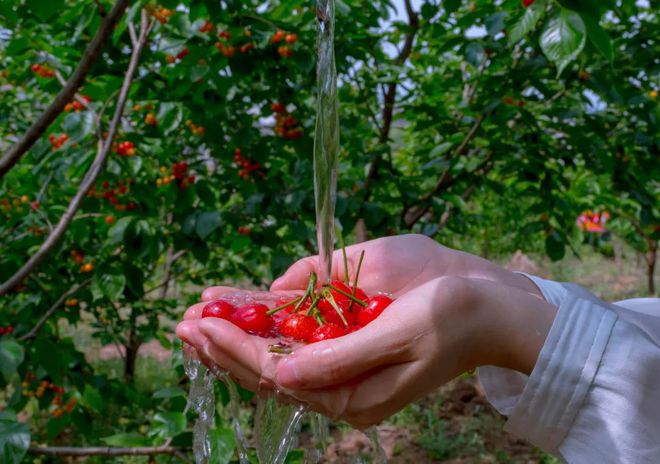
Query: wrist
x,y
514,325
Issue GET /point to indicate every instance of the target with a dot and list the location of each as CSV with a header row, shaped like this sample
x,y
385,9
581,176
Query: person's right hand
x,y
397,265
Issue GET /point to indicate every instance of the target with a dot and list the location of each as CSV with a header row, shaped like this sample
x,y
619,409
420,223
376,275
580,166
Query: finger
x,y
194,312
213,293
213,358
297,276
232,342
333,362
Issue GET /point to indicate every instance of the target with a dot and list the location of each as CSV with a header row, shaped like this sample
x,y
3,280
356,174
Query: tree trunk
x,y
651,256
132,347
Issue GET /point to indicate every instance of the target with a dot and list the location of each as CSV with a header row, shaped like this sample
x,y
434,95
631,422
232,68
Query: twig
x,y
66,94
104,450
76,95
169,262
90,176
33,332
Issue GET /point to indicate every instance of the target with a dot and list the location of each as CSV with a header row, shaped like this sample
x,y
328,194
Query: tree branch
x,y
33,332
91,175
104,451
66,94
389,99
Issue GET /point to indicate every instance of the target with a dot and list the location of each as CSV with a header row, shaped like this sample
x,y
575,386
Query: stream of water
x,y
326,136
276,424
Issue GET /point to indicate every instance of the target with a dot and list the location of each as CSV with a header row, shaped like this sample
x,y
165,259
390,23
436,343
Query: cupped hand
x,y
423,339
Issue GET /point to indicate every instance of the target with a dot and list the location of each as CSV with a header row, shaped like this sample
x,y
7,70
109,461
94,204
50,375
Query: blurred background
x,y
151,149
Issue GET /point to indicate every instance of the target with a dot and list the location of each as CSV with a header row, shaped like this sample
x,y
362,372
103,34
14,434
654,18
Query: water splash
x,y
202,399
326,137
275,427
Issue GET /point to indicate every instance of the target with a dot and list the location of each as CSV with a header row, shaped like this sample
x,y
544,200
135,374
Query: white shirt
x,y
594,393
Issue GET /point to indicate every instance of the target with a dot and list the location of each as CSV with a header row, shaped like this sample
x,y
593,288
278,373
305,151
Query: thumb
x,y
297,276
340,360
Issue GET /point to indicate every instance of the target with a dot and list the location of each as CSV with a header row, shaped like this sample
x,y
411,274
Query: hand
x,y
397,265
425,338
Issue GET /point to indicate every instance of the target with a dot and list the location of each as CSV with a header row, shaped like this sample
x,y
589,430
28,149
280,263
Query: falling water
x,y
326,136
202,399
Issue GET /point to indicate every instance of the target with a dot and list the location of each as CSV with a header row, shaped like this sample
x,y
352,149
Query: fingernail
x,y
287,373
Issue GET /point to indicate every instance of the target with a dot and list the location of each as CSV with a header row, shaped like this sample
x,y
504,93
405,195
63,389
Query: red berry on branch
x,y
527,3
291,38
277,107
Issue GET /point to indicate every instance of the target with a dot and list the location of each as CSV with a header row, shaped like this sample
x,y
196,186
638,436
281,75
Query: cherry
x,y
527,3
375,305
291,38
285,52
252,318
207,27
183,53
109,219
219,308
298,326
277,107
278,36
328,331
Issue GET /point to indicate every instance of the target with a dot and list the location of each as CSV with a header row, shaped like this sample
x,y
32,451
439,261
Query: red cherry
x,y
330,315
2,330
277,107
36,68
219,308
9,330
298,326
253,318
375,305
359,293
527,3
328,331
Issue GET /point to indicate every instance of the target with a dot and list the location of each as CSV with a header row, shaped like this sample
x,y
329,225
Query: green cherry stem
x,y
315,302
357,275
342,245
328,296
270,312
348,295
308,292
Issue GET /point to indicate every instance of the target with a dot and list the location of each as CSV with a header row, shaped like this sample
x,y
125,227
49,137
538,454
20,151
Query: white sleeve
x,y
594,393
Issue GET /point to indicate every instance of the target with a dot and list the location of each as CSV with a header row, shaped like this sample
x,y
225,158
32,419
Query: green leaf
x,y
475,54
451,5
495,23
206,223
110,285
11,356
44,9
14,441
440,150
555,246
528,22
92,399
598,37
563,39
126,439
78,125
223,445
169,423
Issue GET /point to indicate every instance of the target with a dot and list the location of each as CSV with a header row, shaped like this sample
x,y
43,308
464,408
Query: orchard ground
x,y
453,425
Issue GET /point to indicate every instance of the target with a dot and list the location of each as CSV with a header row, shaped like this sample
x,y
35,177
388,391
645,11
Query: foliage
x,y
475,122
